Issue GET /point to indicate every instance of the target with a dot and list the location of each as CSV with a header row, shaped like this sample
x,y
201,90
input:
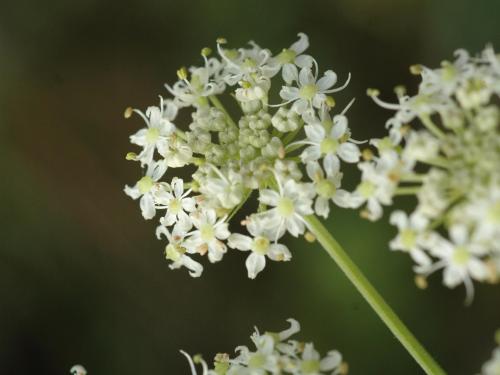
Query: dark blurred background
x,y
82,277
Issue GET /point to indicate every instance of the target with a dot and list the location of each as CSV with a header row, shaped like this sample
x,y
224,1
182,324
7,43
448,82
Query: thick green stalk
x,y
371,295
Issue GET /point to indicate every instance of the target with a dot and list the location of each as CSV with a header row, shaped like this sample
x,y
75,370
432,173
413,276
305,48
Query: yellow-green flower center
x,y
308,91
285,207
310,366
408,238
152,135
328,146
257,360
145,184
325,188
494,212
249,63
327,124
261,245
449,71
287,56
461,256
175,206
207,232
172,253
366,189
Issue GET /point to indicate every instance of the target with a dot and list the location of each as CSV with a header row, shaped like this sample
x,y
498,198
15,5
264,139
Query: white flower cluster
x,y
452,165
78,370
492,366
273,354
264,150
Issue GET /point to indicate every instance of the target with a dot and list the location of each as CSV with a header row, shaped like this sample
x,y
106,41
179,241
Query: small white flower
x,y
195,92
177,153
460,258
294,56
331,145
227,188
208,235
176,250
310,92
145,189
312,364
176,201
376,189
159,128
261,361
247,64
327,188
410,237
260,246
290,204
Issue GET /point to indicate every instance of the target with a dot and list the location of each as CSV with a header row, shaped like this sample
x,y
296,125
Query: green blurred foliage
x,y
82,278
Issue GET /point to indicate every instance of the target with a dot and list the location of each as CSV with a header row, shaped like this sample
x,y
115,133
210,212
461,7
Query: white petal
x,y
314,170
221,231
328,80
304,61
132,191
399,219
420,257
452,277
289,93
269,197
331,361
300,106
315,132
339,126
349,152
342,198
279,252
240,242
478,269
188,204
300,45
290,73
294,226
255,263
195,268
178,187
321,207
147,206
331,164
458,233
306,77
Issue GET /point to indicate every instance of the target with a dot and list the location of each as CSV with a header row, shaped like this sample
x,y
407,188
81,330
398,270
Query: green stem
x,y
412,177
437,162
407,190
217,104
370,294
426,120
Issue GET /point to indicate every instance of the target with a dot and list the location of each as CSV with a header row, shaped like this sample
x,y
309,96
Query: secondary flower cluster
x,y
263,152
492,366
452,165
273,354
